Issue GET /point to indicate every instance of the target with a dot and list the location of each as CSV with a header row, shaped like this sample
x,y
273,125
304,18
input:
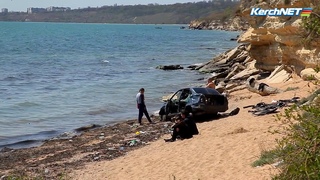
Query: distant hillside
x,y
141,14
228,19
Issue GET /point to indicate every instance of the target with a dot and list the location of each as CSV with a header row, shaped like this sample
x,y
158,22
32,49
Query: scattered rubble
x,y
262,108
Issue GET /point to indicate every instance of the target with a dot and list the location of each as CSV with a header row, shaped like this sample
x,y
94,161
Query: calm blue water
x,y
55,77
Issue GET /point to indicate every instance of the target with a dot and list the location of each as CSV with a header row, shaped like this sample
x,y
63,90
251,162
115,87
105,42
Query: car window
x,y
185,94
206,91
176,96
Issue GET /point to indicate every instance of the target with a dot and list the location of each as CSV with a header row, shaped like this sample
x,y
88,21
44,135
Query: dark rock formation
x,y
169,67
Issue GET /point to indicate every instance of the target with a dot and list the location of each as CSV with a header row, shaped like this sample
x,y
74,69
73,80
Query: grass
x,y
291,89
266,157
61,176
310,97
311,78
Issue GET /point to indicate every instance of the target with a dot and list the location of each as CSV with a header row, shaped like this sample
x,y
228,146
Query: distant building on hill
x,y
49,9
4,10
52,8
35,10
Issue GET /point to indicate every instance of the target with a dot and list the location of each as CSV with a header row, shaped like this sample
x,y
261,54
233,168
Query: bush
x,y
311,25
266,157
299,150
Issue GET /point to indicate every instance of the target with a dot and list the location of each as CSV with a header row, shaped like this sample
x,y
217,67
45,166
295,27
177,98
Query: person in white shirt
x,y
142,106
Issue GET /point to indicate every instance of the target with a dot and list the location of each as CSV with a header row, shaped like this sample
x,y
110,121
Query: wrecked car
x,y
198,100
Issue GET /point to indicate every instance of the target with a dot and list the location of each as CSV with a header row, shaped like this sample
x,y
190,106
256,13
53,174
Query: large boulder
x,y
308,73
280,74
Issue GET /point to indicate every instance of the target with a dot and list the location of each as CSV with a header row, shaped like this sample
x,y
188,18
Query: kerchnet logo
x,y
281,12
306,12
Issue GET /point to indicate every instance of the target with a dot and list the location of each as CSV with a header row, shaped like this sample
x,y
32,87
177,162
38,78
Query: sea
x,y
56,77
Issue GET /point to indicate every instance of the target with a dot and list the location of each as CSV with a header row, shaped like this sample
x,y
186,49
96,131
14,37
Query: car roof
x,y
205,90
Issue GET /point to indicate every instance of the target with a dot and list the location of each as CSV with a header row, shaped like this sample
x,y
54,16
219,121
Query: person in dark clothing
x,y
191,125
181,128
142,107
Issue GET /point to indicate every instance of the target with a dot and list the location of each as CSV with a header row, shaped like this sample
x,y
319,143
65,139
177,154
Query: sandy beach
x,y
224,149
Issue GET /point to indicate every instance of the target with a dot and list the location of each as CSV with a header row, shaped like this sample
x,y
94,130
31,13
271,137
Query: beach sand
x,y
224,149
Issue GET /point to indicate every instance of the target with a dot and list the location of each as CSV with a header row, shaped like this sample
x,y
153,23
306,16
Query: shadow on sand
x,y
206,118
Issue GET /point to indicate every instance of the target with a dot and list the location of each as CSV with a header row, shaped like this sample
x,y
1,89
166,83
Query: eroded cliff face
x,y
278,41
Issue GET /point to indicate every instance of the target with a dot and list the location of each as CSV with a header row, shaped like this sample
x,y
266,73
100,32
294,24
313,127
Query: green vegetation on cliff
x,y
311,24
141,14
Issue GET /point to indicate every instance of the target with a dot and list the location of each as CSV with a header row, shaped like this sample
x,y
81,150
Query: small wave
x,y
97,112
105,61
65,135
198,64
11,78
50,88
27,104
21,144
28,140
210,48
85,128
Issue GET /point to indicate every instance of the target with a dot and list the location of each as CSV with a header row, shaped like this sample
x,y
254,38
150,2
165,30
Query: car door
x,y
184,99
173,103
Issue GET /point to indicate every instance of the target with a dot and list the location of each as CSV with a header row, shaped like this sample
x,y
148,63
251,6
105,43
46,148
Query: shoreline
x,y
116,138
33,143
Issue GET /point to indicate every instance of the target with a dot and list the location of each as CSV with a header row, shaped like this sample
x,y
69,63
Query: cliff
x,y
281,40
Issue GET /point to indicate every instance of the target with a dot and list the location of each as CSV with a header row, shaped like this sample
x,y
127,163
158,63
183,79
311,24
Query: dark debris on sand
x,y
55,158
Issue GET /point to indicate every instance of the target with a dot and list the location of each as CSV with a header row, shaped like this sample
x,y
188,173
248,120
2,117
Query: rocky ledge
x,y
234,24
235,70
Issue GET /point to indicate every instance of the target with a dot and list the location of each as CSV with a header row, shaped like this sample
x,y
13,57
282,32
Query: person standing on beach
x,y
142,106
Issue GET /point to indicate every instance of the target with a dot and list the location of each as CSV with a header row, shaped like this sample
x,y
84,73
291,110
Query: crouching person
x,y
183,128
188,119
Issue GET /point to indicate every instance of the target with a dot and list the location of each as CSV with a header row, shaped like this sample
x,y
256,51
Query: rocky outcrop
x,y
234,24
235,70
276,41
169,67
231,69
